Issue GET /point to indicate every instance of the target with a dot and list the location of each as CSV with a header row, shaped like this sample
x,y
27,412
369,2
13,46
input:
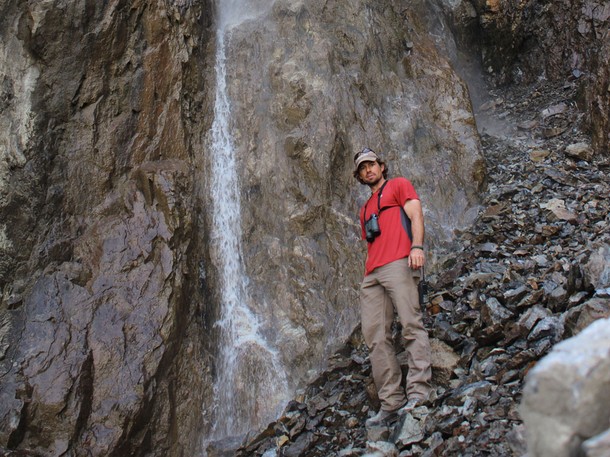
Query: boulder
x,y
565,397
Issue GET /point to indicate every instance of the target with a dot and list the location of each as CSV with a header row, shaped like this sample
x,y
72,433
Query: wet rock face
x,y
107,336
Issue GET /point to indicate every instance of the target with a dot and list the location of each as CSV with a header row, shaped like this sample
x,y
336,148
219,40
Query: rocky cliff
x,y
531,271
99,212
112,289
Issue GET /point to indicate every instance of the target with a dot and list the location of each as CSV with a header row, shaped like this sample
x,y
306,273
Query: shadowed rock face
x,y
98,211
558,40
109,291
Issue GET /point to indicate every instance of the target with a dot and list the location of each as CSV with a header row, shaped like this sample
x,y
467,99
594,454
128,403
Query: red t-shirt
x,y
393,243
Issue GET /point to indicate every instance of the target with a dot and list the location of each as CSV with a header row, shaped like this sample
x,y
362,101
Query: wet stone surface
x,y
531,272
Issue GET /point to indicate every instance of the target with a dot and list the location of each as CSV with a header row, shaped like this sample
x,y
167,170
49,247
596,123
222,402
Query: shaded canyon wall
x,y
98,209
521,42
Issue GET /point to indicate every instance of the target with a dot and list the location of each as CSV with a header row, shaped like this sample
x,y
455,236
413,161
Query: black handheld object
x,y
422,288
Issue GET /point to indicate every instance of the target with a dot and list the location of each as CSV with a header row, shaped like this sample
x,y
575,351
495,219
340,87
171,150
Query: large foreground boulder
x,y
565,400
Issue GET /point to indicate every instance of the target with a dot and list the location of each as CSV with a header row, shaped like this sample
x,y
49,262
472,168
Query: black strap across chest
x,y
379,208
405,219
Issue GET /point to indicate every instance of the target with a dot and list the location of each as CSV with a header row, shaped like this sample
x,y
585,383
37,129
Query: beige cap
x,y
366,155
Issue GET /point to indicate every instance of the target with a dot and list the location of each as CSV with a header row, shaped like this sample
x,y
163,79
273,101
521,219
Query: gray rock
x,y
564,399
411,431
494,313
444,362
582,316
532,316
582,151
107,215
551,326
111,293
381,449
597,269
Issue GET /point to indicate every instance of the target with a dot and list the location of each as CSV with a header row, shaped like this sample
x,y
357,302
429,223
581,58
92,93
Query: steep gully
x,y
516,284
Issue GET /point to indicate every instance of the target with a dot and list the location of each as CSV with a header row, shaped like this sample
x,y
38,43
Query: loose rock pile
x,y
531,272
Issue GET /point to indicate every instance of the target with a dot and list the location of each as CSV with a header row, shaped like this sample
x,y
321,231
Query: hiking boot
x,y
382,417
413,403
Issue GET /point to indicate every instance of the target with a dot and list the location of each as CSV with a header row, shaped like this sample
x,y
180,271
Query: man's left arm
x,y
414,210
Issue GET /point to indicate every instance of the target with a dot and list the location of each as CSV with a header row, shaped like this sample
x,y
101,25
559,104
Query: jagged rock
x,y
538,155
597,269
513,296
444,362
551,326
493,313
532,316
445,332
476,389
377,433
106,216
300,444
580,151
580,317
411,431
557,209
381,449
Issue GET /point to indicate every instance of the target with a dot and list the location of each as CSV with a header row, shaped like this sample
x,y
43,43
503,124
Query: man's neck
x,y
375,187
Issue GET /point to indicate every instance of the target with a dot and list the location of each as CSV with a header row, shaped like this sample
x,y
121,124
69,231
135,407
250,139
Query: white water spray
x,y
251,385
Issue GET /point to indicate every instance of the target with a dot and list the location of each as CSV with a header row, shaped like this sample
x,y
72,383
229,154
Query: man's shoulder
x,y
403,189
399,181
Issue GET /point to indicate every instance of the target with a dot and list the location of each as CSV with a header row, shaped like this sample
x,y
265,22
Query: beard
x,y
375,182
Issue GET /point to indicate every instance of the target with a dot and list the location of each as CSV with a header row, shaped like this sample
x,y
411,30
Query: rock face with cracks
x,y
109,290
110,293
521,279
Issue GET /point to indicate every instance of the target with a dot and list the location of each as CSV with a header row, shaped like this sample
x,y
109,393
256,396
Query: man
x,y
393,224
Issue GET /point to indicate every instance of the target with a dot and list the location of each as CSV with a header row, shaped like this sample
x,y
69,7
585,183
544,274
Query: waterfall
x,y
250,386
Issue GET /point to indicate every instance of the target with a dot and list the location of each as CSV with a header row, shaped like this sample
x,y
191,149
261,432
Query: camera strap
x,y
405,218
378,200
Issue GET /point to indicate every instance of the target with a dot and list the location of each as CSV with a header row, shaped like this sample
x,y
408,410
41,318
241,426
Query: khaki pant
x,y
393,286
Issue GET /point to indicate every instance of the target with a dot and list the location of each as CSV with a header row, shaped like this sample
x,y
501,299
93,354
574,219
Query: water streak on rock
x,y
251,383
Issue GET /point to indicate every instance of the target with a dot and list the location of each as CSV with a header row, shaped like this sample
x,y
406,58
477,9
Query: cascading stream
x,y
251,385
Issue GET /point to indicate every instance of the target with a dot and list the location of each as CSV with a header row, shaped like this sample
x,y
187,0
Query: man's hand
x,y
417,259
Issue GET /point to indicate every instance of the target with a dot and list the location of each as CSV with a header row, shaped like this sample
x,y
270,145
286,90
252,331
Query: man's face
x,y
370,172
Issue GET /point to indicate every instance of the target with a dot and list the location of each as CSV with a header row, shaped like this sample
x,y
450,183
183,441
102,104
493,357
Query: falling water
x,y
251,385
